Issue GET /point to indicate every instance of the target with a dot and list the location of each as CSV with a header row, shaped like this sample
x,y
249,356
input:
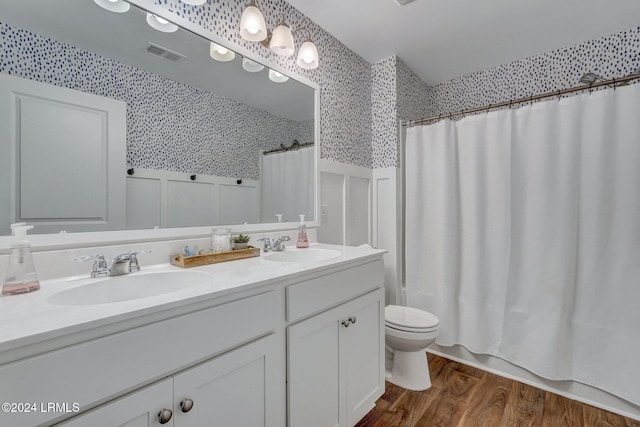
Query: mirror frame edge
x,y
58,241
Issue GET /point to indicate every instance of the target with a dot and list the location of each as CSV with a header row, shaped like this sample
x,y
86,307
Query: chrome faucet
x,y
121,264
274,245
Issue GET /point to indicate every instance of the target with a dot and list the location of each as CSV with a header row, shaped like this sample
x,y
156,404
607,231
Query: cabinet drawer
x,y
100,369
313,296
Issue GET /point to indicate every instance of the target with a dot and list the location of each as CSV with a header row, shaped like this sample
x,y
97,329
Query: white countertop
x,y
31,318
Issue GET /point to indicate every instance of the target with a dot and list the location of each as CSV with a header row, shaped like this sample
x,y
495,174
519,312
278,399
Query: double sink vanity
x,y
288,338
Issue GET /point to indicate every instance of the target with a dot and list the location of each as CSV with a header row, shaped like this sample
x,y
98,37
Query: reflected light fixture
x,y
118,6
252,25
220,53
251,66
282,39
160,24
194,2
277,77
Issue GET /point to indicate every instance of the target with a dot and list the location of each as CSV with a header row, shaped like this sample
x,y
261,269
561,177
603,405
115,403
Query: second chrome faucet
x,y
121,264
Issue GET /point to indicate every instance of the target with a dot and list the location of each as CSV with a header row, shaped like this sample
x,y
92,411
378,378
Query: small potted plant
x,y
240,241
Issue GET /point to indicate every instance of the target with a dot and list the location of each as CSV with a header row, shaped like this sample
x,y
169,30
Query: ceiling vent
x,y
404,2
164,53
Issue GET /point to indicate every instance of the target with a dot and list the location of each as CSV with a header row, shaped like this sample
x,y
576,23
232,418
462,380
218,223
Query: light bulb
x,y
117,6
160,24
308,56
277,77
252,25
220,53
282,40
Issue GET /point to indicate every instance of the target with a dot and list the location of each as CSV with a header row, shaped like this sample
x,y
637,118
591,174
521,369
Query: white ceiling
x,y
443,39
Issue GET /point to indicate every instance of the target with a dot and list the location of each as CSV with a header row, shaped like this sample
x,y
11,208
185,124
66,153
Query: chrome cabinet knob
x,y
164,416
352,319
345,323
186,405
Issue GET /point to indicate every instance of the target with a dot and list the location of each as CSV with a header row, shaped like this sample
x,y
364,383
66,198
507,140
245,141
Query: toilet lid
x,y
408,317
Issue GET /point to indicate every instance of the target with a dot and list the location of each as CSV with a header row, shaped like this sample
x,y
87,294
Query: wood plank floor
x,y
464,396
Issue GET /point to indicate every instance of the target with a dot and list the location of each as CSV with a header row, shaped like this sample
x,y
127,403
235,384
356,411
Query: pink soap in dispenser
x,y
21,274
302,242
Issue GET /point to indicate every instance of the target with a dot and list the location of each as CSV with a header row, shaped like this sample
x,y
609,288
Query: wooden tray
x,y
198,260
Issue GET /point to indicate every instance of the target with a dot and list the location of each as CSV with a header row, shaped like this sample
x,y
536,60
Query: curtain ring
x,y
531,100
590,88
559,97
614,83
510,103
488,108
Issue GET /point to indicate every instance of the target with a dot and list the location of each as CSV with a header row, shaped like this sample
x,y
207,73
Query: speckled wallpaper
x,y
170,126
397,93
616,55
344,77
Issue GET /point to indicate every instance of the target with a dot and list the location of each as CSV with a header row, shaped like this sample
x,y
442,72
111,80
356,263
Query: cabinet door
x,y
138,409
362,351
336,363
232,390
314,391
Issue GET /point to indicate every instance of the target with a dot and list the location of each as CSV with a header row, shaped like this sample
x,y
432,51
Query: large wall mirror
x,y
108,123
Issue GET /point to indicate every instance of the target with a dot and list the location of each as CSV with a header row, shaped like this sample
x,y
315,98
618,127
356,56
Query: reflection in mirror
x,y
109,124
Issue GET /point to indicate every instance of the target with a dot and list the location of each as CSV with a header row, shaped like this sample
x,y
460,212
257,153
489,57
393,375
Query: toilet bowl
x,y
408,332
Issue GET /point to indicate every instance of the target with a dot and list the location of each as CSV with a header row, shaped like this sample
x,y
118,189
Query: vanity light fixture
x,y
308,53
281,41
118,6
277,77
253,28
220,53
194,2
251,66
161,24
252,25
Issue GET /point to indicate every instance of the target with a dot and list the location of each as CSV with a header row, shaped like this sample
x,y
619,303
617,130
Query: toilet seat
x,y
410,319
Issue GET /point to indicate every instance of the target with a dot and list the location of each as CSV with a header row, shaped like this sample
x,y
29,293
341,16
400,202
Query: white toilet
x,y
408,332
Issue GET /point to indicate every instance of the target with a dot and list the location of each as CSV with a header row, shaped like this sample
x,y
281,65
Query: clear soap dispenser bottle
x,y
21,274
302,242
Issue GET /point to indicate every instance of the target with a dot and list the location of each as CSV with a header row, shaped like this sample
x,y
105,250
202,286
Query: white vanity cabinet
x,y
229,390
336,358
302,348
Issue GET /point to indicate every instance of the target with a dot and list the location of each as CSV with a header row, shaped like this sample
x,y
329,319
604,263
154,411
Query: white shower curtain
x,y
288,185
523,235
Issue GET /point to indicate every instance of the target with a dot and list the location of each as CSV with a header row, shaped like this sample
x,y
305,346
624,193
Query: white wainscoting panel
x,y
345,204
240,204
190,203
173,199
387,228
143,202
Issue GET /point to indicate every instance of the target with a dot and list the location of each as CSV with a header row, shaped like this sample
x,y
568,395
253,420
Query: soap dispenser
x,y
302,242
21,274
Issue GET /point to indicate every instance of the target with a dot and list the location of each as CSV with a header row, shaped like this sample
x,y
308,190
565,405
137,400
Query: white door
x,y
139,409
233,390
362,349
77,141
313,360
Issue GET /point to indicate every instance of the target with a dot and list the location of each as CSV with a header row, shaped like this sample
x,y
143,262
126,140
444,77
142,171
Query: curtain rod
x,y
295,146
527,99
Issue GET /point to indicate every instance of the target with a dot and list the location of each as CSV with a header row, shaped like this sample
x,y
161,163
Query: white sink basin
x,y
129,287
303,255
